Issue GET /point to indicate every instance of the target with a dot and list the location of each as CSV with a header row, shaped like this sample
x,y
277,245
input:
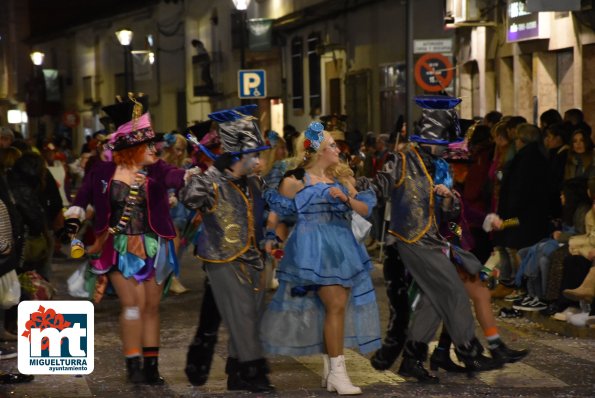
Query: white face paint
x,y
249,163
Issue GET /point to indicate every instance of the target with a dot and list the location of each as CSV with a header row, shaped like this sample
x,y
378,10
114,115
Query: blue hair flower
x,y
273,137
170,139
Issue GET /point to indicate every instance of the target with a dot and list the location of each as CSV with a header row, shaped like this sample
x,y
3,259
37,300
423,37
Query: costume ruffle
x,y
158,259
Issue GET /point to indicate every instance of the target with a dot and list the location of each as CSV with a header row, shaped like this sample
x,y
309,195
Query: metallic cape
x,y
231,219
409,185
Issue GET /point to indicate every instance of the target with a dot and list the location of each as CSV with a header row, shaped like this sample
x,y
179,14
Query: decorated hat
x,y
238,130
314,136
439,123
132,121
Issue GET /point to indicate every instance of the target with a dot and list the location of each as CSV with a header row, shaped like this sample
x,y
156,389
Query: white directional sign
x,y
432,46
252,83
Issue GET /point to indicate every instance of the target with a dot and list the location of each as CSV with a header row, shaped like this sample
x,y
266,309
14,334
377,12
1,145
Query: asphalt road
x,y
557,366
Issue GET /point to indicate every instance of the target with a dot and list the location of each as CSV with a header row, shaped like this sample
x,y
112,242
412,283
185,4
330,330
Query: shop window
x,y
314,74
297,73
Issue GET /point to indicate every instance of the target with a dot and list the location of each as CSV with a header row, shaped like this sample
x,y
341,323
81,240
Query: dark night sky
x,y
51,16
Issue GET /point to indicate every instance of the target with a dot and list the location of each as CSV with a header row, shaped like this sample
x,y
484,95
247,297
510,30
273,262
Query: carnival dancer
x,y
133,245
407,179
325,300
231,204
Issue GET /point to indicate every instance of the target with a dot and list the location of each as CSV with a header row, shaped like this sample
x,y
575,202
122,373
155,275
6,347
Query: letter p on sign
x,y
252,83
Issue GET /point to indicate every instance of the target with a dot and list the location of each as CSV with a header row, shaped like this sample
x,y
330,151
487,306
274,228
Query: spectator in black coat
x,y
523,196
556,145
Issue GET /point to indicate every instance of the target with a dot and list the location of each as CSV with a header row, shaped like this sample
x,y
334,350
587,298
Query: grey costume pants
x,y
443,296
239,294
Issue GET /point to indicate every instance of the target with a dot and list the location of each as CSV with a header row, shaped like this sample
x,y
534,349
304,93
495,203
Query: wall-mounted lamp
x,y
241,5
125,36
16,116
37,58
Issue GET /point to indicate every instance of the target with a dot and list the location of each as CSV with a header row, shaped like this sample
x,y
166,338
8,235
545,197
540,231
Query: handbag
x,y
360,226
10,290
36,286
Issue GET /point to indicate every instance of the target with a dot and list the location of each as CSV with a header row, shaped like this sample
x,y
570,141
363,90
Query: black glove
x,y
72,225
224,161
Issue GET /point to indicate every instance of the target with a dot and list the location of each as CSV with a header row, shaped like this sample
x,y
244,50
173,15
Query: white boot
x,y
338,380
325,369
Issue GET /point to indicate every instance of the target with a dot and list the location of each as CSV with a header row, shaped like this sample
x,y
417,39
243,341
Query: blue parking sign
x,y
252,83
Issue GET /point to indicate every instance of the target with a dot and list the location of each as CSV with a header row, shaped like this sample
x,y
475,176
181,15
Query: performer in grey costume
x,y
407,179
231,204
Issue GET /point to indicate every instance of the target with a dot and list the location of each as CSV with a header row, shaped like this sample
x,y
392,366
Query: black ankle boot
x,y
248,376
471,354
414,356
134,373
199,359
501,353
385,356
151,370
232,370
441,359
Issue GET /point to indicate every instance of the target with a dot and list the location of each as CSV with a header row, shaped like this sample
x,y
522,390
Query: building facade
x,y
524,62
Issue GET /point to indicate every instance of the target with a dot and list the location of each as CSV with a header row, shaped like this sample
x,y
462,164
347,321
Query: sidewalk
x,y
550,324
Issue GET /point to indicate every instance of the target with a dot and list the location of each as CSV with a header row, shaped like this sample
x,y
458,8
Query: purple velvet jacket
x,y
160,177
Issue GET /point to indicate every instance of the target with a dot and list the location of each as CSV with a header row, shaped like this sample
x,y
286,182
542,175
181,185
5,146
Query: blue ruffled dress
x,y
321,250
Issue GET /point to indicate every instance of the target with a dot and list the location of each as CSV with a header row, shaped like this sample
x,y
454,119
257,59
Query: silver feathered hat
x,y
238,130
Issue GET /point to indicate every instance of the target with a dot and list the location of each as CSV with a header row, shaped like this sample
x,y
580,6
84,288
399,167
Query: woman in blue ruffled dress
x,y
325,300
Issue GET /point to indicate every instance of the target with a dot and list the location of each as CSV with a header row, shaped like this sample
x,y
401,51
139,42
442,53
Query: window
x,y
357,100
297,73
314,73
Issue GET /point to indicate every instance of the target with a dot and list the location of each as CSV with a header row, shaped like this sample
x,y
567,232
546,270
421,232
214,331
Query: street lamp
x,y
242,6
37,58
125,38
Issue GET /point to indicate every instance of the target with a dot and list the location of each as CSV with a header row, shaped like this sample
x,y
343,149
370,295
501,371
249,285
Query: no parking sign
x,y
433,72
